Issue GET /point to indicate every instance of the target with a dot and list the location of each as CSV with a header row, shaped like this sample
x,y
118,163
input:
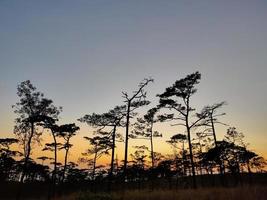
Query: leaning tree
x,y
178,98
210,121
175,141
134,101
143,129
7,158
53,146
212,118
32,109
67,131
99,146
112,119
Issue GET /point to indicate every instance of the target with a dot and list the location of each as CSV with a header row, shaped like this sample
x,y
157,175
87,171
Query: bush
x,y
94,196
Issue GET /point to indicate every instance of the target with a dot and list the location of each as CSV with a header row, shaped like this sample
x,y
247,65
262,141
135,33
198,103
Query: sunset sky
x,y
83,54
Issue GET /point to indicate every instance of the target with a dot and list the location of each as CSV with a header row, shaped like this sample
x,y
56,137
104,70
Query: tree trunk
x,y
27,157
190,145
126,140
55,159
213,130
65,164
113,151
94,164
216,146
249,170
28,152
151,143
183,159
191,158
200,151
215,141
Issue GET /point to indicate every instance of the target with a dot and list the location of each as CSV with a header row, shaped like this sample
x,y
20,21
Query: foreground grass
x,y
240,193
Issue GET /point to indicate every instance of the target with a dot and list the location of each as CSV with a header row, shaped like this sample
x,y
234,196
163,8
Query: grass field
x,y
239,193
209,188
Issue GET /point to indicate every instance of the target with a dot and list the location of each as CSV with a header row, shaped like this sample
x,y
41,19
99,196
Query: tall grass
x,y
239,193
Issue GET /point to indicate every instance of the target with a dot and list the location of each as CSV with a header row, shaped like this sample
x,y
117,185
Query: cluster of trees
x,y
196,150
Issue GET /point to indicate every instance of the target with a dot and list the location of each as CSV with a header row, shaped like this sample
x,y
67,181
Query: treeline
x,y
196,150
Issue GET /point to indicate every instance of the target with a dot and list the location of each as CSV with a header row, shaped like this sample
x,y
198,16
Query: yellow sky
x,y
83,56
80,145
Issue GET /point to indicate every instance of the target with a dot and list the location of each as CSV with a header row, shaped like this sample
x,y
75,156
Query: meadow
x,y
209,187
244,193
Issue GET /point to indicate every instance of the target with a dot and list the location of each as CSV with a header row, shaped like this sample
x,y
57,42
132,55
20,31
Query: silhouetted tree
x,y
137,170
136,100
236,139
164,169
54,146
67,131
143,129
201,141
138,157
43,158
183,90
212,118
113,119
37,172
174,142
75,175
216,155
99,146
31,109
210,121
258,163
231,154
245,157
7,157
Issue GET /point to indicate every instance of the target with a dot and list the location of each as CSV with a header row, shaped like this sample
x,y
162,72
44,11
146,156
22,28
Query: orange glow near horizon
x,y
80,145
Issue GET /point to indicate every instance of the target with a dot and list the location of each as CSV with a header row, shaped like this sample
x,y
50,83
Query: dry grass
x,y
239,193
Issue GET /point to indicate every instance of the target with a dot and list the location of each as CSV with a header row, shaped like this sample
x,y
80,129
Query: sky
x,y
83,54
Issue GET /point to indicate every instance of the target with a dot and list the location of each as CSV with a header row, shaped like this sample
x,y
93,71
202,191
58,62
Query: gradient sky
x,y
82,54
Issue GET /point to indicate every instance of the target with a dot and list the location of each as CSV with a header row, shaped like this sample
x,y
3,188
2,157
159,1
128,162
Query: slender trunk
x,y
151,143
28,153
200,150
113,151
238,166
249,173
183,159
190,145
126,139
65,160
215,141
94,164
216,146
25,165
53,185
249,170
55,159
191,158
213,130
152,155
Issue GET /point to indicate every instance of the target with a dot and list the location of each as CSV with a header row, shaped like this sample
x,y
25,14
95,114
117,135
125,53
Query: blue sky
x,y
82,54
